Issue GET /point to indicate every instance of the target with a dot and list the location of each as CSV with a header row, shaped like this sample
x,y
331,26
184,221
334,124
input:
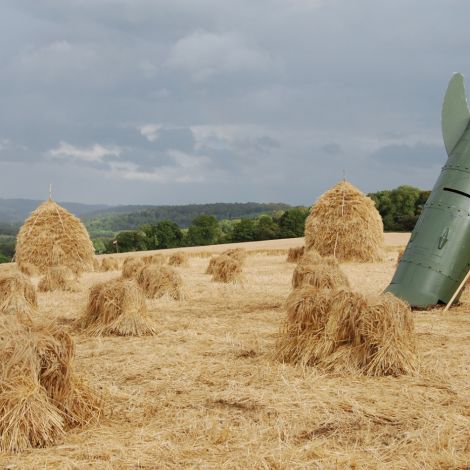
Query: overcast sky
x,y
191,101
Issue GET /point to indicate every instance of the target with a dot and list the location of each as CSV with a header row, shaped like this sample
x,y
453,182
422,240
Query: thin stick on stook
x,y
337,233
457,292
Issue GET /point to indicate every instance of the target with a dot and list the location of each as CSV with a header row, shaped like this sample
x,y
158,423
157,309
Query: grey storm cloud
x,y
332,148
171,101
416,156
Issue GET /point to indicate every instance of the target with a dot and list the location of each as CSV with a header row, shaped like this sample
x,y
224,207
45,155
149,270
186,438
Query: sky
x,y
195,101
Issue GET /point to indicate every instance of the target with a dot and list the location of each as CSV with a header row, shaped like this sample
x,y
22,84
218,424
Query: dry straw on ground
x,y
109,264
40,395
227,269
178,259
343,331
17,296
295,254
131,267
51,233
117,308
320,275
58,278
207,381
158,281
344,223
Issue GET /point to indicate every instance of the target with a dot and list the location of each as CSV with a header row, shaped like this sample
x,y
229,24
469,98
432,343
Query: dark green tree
x,y
292,223
244,231
99,245
7,246
149,231
204,230
168,235
131,240
400,207
266,228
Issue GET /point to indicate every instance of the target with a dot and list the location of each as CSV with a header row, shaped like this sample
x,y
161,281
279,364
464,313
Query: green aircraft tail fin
x,y
455,113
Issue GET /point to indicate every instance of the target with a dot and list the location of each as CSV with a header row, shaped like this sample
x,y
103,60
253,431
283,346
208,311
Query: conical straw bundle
x,y
344,223
50,236
117,307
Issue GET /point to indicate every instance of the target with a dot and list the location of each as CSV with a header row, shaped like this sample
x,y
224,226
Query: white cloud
x,y
220,136
4,144
150,131
56,60
95,153
204,54
187,169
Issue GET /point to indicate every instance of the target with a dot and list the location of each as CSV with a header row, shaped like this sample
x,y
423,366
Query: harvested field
x,y
204,392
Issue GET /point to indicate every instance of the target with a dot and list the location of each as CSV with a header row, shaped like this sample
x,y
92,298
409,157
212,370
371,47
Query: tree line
x,y
133,217
206,230
400,209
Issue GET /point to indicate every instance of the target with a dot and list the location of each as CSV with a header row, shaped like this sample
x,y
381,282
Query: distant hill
x,y
102,218
131,217
15,211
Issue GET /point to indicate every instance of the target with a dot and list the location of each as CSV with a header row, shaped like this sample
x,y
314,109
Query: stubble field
x,y
206,393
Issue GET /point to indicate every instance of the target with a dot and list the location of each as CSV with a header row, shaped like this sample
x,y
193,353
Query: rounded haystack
x,y
41,397
178,259
109,264
227,269
343,331
49,233
294,255
131,267
321,276
344,223
58,278
17,296
157,281
117,307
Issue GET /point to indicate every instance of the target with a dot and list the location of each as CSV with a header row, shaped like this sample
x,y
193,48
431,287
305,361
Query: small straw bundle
x,y
178,259
320,275
342,331
51,236
211,265
131,267
157,258
117,308
295,254
227,269
157,281
344,223
313,257
40,395
17,296
96,264
238,254
388,332
58,278
109,264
